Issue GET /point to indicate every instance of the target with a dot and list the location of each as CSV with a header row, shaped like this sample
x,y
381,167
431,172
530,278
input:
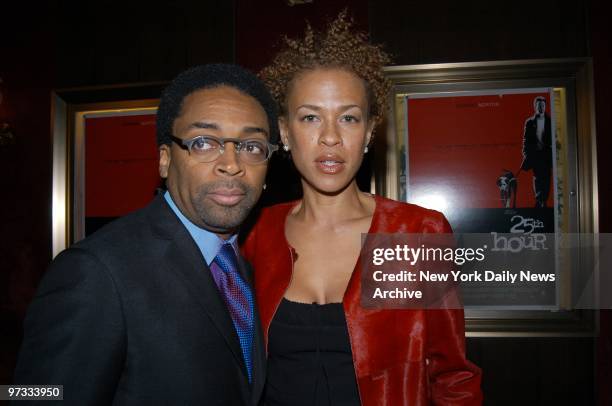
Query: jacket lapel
x,y
184,259
258,352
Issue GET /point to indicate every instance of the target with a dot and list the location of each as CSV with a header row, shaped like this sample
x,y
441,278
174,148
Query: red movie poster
x,y
470,153
121,159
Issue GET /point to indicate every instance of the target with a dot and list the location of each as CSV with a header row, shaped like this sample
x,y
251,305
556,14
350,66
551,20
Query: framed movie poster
x,y
498,147
104,157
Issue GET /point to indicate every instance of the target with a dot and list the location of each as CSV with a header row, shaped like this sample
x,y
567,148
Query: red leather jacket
x,y
401,357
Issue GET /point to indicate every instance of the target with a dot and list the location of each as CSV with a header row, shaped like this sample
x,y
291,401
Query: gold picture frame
x,y
571,86
70,107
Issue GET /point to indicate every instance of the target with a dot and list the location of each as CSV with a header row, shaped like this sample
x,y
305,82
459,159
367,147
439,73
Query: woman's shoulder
x,y
394,216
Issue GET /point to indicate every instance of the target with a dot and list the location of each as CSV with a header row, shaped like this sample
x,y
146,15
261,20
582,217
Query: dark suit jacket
x,y
132,316
536,153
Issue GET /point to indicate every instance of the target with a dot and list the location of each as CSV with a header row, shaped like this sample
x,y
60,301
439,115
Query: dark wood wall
x,y
479,30
99,43
26,71
59,44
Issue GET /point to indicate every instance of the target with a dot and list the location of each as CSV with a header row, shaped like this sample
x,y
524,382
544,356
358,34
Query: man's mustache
x,y
233,184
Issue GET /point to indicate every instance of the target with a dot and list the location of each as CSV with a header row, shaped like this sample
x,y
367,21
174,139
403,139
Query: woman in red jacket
x,y
323,347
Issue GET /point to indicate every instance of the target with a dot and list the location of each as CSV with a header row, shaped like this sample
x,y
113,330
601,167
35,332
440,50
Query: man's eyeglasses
x,y
206,148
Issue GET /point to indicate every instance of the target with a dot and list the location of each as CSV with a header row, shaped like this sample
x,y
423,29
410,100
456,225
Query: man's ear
x,y
164,160
284,130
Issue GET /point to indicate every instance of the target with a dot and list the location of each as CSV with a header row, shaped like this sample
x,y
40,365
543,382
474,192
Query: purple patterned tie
x,y
238,298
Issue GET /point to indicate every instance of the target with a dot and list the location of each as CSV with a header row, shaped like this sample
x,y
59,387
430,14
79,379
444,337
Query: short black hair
x,y
207,77
539,99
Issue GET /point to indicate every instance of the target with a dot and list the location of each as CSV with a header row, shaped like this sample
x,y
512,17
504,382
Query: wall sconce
x,y
7,137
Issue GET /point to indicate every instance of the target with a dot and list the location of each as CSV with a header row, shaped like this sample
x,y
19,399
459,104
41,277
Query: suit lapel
x,y
245,270
257,353
184,259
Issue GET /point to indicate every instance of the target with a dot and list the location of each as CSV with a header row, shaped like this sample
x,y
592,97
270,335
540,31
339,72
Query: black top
x,y
309,360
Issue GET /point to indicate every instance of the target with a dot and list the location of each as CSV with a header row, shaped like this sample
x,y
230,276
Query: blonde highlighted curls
x,y
340,46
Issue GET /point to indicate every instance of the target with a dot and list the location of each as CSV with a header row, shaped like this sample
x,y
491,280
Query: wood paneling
x,y
261,25
478,30
135,41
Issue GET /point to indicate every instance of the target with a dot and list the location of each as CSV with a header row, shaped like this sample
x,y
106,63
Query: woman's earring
x,y
264,186
365,150
286,148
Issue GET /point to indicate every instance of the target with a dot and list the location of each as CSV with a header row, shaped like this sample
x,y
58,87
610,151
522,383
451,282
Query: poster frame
x,y
574,76
69,107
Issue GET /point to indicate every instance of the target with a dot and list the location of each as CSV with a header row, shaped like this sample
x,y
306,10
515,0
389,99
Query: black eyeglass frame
x,y
238,143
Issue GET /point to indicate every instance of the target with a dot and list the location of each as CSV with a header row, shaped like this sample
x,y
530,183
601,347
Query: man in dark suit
x,y
537,150
157,307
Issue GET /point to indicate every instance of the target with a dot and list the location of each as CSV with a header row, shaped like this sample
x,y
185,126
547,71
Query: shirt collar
x,y
208,243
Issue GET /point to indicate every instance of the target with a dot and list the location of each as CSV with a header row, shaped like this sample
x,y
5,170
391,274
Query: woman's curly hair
x,y
340,46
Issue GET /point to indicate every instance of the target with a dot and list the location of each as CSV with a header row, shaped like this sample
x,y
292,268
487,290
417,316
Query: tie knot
x,y
226,258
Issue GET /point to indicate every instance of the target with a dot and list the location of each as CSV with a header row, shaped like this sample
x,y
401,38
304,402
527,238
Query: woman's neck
x,y
324,209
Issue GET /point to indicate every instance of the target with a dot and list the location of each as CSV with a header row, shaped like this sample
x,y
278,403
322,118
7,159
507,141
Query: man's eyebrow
x,y
203,125
254,130
212,126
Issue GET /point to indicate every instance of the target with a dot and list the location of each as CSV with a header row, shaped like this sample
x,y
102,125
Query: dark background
x,y
48,45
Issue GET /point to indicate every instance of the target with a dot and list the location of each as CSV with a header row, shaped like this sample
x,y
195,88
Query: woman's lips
x,y
226,197
329,164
